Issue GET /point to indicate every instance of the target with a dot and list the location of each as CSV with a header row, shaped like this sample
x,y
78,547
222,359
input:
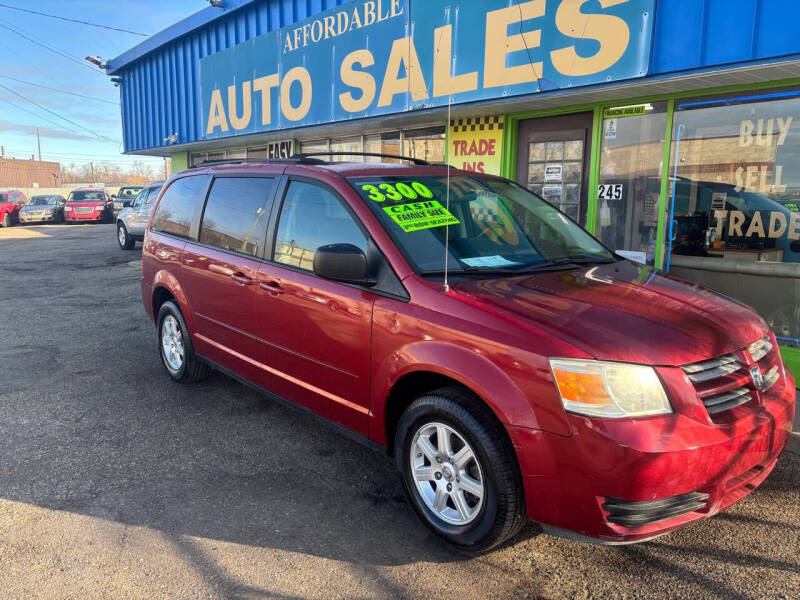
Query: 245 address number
x,y
609,191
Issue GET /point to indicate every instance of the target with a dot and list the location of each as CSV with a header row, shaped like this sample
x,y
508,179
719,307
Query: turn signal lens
x,y
605,389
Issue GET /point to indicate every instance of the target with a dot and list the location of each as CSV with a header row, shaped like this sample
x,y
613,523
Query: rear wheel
x,y
459,470
175,346
126,242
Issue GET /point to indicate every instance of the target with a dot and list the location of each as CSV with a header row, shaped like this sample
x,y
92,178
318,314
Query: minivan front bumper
x,y
623,481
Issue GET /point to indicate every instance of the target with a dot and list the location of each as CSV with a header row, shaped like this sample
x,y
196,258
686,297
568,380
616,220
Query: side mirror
x,y
342,262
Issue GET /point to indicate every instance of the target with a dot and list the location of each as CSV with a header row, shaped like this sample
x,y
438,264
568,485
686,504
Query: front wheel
x,y
126,242
459,470
175,346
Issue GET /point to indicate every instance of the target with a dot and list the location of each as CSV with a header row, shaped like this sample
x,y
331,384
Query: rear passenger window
x,y
236,213
178,204
311,217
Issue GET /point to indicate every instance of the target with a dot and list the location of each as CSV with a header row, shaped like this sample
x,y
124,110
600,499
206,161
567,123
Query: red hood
x,y
624,311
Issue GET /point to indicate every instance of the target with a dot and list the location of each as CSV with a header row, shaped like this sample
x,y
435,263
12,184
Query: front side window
x,y
236,213
178,205
152,194
494,225
312,216
140,197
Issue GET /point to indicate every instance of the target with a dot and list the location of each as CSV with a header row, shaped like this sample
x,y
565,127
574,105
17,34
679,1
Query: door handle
x,y
273,287
241,278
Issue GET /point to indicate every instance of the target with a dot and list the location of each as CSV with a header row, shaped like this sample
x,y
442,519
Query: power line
x,y
58,90
98,136
111,27
30,112
47,46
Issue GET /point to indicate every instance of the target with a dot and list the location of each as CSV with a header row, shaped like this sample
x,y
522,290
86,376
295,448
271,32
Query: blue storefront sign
x,y
376,57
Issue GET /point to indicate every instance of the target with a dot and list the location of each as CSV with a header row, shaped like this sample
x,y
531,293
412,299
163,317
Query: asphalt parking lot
x,y
115,482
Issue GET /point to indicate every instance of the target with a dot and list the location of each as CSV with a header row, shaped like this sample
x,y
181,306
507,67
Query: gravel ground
x,y
115,482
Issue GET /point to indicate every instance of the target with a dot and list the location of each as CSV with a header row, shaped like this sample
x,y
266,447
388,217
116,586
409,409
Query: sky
x,y
95,131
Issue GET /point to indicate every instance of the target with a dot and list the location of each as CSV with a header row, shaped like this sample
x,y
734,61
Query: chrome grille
x,y
770,377
724,383
712,369
727,400
760,349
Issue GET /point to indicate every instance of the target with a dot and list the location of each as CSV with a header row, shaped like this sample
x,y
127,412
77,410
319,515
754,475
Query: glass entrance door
x,y
553,161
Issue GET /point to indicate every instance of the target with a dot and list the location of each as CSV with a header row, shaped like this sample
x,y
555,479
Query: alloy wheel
x,y
172,343
121,235
447,473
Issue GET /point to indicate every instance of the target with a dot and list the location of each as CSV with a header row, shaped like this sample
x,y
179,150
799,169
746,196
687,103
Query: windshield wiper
x,y
573,261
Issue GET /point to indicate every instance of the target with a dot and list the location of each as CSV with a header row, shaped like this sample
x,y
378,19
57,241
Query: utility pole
x,y
39,144
165,169
91,166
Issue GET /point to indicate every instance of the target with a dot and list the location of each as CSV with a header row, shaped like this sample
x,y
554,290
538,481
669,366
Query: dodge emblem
x,y
758,377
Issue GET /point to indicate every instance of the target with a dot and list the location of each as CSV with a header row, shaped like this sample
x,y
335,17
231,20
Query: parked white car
x,y
131,222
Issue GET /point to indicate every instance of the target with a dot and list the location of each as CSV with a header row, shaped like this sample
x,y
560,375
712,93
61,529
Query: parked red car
x,y
89,204
547,378
10,203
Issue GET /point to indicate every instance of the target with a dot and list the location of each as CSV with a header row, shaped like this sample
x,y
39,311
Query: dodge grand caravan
x,y
542,377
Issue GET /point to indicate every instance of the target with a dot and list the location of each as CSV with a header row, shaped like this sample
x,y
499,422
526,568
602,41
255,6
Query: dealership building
x,y
668,128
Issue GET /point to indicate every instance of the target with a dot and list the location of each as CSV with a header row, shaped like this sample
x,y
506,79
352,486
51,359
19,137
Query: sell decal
x,y
420,215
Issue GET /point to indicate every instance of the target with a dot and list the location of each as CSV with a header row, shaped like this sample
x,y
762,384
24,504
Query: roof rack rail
x,y
305,155
233,161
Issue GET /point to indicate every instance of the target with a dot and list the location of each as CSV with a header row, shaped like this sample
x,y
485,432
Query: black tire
x,y
129,242
502,513
193,368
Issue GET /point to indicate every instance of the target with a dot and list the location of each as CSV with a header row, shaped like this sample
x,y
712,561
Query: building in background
x,y
29,173
668,128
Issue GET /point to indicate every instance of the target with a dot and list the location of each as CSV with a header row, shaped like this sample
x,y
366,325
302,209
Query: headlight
x,y
606,389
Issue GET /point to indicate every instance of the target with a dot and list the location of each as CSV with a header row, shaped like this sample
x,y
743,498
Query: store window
x,y
629,185
382,143
315,146
733,221
348,144
428,144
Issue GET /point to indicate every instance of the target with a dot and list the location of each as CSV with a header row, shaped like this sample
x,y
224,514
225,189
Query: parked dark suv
x,y
541,377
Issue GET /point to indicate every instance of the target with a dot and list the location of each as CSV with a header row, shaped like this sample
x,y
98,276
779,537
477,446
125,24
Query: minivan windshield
x,y
494,225
86,196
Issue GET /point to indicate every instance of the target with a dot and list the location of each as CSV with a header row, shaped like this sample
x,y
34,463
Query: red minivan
x,y
513,366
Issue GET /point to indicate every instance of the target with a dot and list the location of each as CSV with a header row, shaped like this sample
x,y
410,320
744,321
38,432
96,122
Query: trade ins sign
x,y
377,57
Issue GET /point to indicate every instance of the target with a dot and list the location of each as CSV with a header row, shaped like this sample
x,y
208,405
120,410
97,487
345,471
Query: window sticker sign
x,y
476,143
415,216
625,111
553,172
609,191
